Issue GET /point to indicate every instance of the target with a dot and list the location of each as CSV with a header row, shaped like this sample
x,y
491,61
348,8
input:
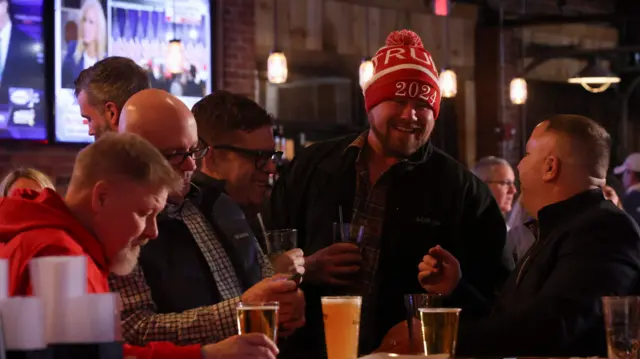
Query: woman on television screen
x,y
91,44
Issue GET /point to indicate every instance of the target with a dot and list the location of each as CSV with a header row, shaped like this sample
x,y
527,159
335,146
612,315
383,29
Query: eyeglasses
x,y
178,157
261,157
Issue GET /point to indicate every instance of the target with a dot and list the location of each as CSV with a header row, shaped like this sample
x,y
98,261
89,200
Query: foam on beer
x,y
258,307
438,310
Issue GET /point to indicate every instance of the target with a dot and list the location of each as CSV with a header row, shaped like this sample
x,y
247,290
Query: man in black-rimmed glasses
x,y
243,148
242,159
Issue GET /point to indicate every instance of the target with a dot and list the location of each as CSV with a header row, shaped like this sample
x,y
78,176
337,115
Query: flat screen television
x,y
137,29
22,71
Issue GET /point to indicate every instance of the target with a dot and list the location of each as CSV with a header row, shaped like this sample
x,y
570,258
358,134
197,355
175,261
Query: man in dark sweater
x,y
406,194
587,248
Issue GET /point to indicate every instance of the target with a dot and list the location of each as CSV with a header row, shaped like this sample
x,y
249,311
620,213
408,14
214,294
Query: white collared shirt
x,y
5,38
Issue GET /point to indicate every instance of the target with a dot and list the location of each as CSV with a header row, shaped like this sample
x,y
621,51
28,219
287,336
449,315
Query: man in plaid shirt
x,y
407,195
192,277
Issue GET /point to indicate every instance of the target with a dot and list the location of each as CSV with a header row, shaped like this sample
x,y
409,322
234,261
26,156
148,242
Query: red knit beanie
x,y
403,68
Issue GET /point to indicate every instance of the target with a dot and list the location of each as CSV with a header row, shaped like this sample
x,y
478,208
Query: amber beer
x,y
439,331
341,326
258,318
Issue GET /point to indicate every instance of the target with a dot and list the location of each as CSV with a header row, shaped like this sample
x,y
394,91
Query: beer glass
x,y
341,326
622,324
439,331
347,233
281,241
412,304
258,318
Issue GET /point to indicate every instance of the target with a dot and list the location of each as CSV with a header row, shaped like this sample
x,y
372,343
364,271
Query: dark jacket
x,y
551,304
174,266
432,199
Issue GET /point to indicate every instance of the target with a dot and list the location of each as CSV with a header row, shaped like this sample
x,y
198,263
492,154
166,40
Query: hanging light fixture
x,y
277,70
518,91
595,78
448,83
366,71
448,79
175,59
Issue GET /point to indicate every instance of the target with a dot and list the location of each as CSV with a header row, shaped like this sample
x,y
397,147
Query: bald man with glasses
x,y
206,259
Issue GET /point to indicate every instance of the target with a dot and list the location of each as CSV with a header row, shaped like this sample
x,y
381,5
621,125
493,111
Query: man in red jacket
x,y
118,186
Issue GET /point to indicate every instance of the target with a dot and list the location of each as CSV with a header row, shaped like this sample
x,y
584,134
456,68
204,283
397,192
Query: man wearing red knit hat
x,y
407,195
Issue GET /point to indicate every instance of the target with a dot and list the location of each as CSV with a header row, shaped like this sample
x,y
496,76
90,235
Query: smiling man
x,y
242,159
407,194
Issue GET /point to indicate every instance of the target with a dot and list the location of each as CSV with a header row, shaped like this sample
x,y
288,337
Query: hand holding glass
x,y
258,318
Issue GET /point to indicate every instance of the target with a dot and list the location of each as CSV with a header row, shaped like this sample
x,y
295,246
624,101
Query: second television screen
x,y
90,30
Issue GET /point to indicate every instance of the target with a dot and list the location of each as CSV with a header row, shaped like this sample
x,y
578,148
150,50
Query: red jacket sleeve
x,y
163,350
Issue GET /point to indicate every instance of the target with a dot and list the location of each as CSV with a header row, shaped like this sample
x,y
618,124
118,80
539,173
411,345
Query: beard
x,y
104,128
398,144
125,261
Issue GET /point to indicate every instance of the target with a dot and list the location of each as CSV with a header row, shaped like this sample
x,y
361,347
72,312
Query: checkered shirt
x,y
368,211
141,323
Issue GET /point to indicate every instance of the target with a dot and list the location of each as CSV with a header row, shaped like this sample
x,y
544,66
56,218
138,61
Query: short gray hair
x,y
485,165
112,79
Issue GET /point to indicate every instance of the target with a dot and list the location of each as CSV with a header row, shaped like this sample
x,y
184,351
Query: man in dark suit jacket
x,y
587,248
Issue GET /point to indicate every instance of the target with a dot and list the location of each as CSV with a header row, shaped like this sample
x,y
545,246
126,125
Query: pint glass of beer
x,y
439,331
341,326
258,318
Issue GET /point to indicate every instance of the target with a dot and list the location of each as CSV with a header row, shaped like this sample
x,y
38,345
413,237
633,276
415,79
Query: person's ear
x,y
551,168
99,196
112,115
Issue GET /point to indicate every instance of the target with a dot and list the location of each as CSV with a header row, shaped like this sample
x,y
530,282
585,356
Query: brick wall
x,y
237,69
238,52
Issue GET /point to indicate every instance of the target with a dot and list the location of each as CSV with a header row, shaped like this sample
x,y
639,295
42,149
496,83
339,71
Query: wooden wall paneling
x,y
376,40
388,24
315,14
264,23
284,24
337,32
457,42
359,26
468,126
298,24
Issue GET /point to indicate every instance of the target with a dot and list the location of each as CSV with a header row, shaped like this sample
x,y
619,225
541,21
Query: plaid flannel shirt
x,y
368,211
141,323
